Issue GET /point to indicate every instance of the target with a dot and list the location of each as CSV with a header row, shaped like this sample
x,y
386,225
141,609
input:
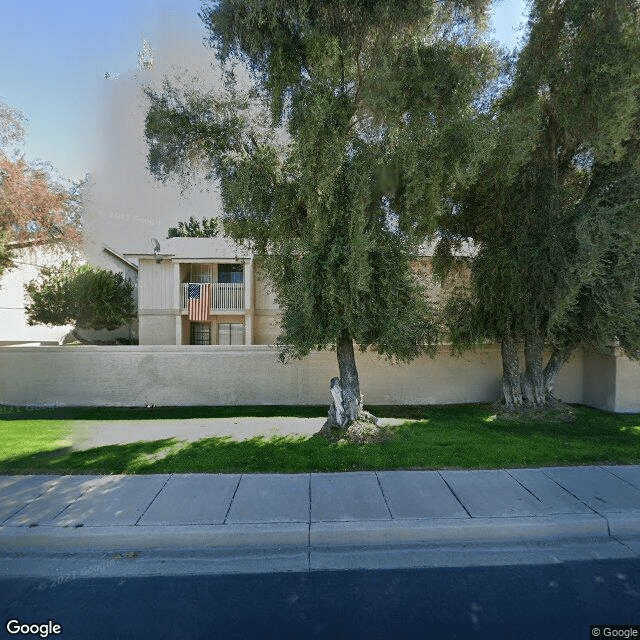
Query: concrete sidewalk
x,y
307,521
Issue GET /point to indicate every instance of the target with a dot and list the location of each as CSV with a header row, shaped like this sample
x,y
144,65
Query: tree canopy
x,y
35,208
208,228
555,209
338,161
85,296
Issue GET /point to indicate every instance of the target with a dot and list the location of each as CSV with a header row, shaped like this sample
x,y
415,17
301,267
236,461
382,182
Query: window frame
x,y
201,273
230,271
230,333
197,329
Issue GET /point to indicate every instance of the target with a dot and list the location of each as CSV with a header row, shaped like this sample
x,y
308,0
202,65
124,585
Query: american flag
x,y
199,298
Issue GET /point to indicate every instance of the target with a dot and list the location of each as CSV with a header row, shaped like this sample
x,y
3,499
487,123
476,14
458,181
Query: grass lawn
x,y
438,437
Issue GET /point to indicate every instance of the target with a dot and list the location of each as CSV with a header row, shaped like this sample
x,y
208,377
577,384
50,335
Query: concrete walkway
x,y
87,434
312,521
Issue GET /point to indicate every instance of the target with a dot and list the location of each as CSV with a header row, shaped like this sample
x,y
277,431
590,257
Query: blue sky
x,y
55,56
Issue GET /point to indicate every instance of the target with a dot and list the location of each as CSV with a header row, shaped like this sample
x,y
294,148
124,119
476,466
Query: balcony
x,y
224,296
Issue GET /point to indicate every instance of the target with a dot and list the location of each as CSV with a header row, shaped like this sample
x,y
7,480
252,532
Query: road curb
x,y
624,524
458,530
52,539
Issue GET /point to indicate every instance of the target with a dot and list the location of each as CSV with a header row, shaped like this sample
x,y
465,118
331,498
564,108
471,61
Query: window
x,y
231,273
201,273
231,333
200,333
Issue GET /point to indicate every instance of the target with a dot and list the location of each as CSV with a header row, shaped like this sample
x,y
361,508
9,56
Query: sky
x,y
56,57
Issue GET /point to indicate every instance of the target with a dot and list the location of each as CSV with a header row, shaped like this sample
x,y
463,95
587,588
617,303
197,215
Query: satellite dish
x,y
156,249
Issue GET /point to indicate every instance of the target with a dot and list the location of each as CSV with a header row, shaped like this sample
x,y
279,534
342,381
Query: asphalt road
x,y
524,602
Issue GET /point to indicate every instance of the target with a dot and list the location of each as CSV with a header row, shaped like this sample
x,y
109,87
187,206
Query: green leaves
x,y
88,297
188,131
377,103
208,228
555,207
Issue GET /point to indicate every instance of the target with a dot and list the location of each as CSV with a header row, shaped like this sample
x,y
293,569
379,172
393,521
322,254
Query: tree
x,y
12,129
85,296
377,104
208,228
35,208
607,307
555,209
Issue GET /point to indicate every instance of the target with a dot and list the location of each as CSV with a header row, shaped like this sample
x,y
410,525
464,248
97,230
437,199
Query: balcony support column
x,y
177,302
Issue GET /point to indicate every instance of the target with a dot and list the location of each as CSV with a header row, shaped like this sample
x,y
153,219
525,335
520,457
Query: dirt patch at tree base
x,y
554,411
366,431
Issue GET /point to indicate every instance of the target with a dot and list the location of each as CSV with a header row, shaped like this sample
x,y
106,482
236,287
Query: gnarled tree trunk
x,y
74,334
347,401
532,389
533,380
511,388
557,360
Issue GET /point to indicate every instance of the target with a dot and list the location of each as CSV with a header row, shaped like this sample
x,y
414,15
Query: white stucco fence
x,y
252,375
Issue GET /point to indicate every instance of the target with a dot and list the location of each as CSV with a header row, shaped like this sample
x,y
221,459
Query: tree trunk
x,y
511,375
534,388
533,391
78,337
347,401
557,360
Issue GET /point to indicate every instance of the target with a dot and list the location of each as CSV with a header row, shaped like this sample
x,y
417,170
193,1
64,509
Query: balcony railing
x,y
225,296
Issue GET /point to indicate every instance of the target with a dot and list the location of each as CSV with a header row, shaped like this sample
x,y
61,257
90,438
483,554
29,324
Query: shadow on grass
x,y
124,458
217,454
464,438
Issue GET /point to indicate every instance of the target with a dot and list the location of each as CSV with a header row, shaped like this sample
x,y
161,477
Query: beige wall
x,y
627,385
251,375
157,286
600,381
612,382
265,328
264,298
157,328
265,310
158,302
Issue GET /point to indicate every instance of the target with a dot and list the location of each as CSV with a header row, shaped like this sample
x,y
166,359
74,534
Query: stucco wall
x,y
186,375
627,385
157,286
612,382
157,329
160,297
263,296
600,381
265,328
